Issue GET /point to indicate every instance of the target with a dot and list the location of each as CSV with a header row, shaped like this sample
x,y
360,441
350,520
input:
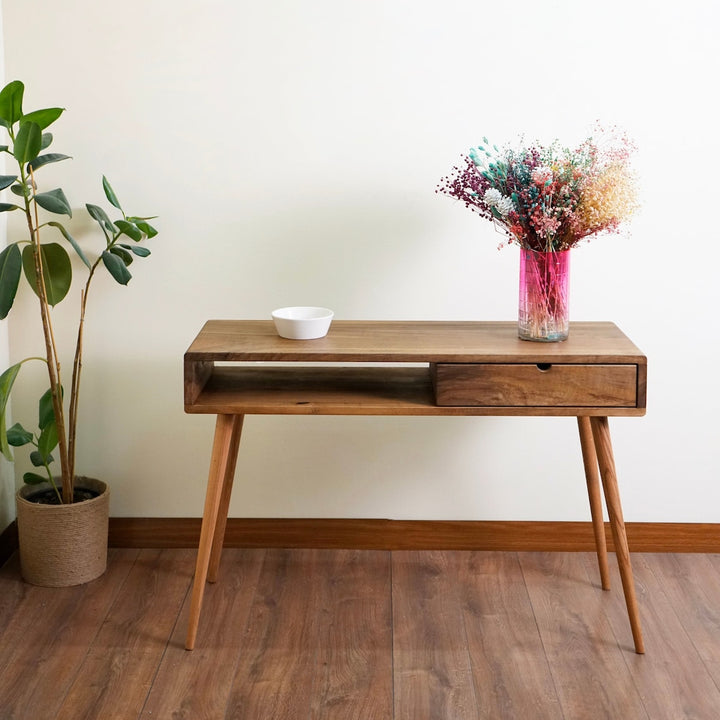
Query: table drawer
x,y
534,385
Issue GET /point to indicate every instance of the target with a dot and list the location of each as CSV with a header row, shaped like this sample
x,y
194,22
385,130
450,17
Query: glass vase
x,y
543,306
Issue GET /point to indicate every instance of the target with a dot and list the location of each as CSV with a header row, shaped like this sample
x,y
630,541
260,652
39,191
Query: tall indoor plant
x,y
47,267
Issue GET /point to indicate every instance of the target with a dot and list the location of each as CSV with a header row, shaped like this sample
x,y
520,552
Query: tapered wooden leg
x,y
219,534
593,486
218,464
603,447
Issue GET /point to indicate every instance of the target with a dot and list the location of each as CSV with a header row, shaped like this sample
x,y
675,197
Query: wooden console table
x,y
414,368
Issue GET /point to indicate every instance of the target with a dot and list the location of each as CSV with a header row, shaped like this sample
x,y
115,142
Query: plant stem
x,y
53,362
77,370
77,361
52,482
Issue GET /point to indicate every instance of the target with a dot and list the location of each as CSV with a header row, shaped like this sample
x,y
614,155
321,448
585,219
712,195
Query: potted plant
x,y
58,502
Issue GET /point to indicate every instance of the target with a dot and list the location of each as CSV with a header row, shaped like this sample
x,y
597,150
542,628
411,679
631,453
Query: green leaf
x,y
37,459
7,181
8,207
72,241
28,142
147,228
124,255
54,201
20,189
10,267
42,118
110,194
47,139
129,229
100,216
48,440
46,159
17,435
116,267
6,383
138,250
56,267
11,97
30,478
46,413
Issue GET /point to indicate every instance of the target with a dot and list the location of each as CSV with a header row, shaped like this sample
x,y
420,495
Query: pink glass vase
x,y
543,307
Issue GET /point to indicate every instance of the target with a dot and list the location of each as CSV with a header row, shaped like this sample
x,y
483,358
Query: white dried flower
x,y
505,206
492,197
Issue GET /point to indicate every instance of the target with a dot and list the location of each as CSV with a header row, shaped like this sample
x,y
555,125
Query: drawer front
x,y
530,385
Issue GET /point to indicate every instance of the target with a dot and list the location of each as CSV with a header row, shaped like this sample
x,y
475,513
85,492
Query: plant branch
x,y
77,370
53,363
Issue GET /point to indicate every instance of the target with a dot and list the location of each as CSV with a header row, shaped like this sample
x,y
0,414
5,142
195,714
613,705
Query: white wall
x,y
7,484
291,150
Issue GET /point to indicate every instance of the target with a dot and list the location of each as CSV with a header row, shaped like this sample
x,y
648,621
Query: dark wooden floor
x,y
364,635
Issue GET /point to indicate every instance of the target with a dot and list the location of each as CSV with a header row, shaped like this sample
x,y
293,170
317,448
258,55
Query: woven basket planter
x,y
63,545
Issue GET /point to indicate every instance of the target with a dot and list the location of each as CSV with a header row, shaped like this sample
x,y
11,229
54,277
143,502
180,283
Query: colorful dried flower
x,y
548,198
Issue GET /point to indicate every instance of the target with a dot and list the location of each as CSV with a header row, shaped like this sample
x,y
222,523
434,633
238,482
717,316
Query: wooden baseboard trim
x,y
378,534
400,535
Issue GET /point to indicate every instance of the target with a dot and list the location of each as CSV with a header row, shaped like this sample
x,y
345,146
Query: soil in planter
x,y
49,497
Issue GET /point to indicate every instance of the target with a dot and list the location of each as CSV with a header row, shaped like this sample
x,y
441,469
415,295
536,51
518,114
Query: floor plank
x,y
671,677
432,671
692,585
364,635
47,640
586,660
12,591
196,685
353,678
512,677
274,675
119,669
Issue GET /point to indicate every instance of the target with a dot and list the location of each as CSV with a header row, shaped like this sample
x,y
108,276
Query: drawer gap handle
x,y
544,367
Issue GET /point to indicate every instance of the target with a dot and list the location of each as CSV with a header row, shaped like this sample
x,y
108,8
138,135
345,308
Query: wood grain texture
x,y
535,385
195,375
510,669
196,685
44,641
606,462
117,672
668,677
592,479
11,591
354,664
432,669
381,391
309,634
690,585
571,619
380,534
598,358
275,673
226,427
218,536
409,341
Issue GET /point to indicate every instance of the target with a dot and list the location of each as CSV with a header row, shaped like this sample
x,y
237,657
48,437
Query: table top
x,y
408,342
413,368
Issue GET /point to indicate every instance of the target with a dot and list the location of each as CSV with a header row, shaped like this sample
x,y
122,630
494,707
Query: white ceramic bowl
x,y
302,323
